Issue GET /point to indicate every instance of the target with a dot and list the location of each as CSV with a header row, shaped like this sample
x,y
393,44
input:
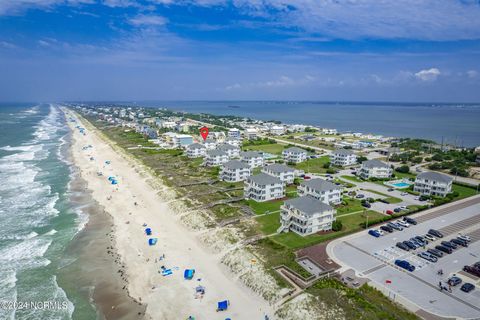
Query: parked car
x,y
449,244
427,256
467,287
395,226
435,233
402,223
389,212
410,220
384,201
380,231
420,241
374,233
360,196
472,270
390,189
403,208
403,246
420,238
464,237
366,204
428,236
444,249
410,244
460,242
387,229
404,193
435,252
405,265
307,177
454,281
397,210
417,243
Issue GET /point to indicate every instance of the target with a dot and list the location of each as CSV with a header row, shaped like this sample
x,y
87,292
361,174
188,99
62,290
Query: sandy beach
x,y
132,203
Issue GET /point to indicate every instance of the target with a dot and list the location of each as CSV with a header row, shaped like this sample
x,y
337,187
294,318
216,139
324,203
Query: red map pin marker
x,y
204,133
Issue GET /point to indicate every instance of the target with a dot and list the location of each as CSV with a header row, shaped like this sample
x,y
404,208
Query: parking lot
x,y
373,258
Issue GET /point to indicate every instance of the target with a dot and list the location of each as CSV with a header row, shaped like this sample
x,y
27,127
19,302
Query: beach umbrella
x,y
148,231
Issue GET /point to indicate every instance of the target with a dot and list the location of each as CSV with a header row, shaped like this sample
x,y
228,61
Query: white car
x,y
464,237
403,223
428,236
380,231
403,207
404,193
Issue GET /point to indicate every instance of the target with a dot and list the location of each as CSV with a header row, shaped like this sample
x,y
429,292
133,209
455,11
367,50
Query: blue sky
x,y
349,50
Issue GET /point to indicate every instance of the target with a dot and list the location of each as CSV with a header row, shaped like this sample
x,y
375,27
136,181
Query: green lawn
x,y
352,178
274,148
313,165
269,223
400,175
263,207
351,206
463,191
387,197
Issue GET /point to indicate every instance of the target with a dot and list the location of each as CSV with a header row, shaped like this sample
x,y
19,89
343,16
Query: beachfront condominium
x,y
235,171
253,158
232,151
343,157
196,150
234,133
306,215
280,171
375,169
210,144
277,130
263,187
294,155
234,142
215,158
322,190
251,133
433,184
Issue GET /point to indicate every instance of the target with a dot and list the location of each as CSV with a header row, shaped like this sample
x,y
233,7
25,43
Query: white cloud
x,y
148,20
280,82
472,74
8,7
428,74
7,45
43,43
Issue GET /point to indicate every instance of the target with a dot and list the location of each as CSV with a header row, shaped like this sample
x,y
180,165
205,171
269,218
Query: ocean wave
x,y
27,254
19,236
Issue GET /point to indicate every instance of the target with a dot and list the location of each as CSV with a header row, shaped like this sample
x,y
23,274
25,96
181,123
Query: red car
x,y
306,178
389,212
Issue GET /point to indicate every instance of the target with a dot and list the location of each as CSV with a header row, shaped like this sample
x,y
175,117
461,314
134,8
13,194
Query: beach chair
x,y
223,305
148,231
167,272
152,241
188,274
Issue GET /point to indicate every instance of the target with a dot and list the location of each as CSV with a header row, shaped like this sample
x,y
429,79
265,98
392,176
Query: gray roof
x,y
294,150
435,176
264,179
375,164
213,153
277,168
236,164
210,141
308,205
226,146
251,154
320,185
343,152
196,146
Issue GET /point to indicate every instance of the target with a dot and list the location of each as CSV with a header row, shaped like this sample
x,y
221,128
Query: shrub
x,y
337,225
403,169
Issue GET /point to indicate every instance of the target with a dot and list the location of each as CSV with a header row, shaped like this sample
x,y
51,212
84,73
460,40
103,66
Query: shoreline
x,y
165,297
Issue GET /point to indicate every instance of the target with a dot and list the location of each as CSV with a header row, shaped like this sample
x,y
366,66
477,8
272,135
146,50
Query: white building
x,y
233,142
280,171
219,136
322,190
294,155
182,140
306,215
251,133
253,158
210,144
277,130
433,183
343,157
215,158
231,151
196,150
263,187
235,171
329,131
375,169
234,133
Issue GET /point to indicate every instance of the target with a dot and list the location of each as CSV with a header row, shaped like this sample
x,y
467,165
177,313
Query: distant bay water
x,y
454,123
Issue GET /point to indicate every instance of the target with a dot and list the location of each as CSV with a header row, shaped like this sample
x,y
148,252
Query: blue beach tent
x,y
114,181
223,305
148,231
152,241
167,272
188,274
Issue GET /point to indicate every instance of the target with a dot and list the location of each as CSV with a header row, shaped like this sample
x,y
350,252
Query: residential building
x,y
375,169
219,136
210,144
233,142
294,155
322,190
277,130
251,133
263,187
215,158
182,140
343,157
280,171
235,171
253,158
234,133
196,150
232,151
306,215
433,184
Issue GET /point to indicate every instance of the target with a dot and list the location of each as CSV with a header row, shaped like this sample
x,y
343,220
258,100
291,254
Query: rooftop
x,y
435,176
295,150
344,152
214,153
196,146
320,185
308,205
251,154
226,146
277,168
264,179
375,164
236,164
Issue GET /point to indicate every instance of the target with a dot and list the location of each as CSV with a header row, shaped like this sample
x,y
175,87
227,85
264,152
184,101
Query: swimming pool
x,y
401,184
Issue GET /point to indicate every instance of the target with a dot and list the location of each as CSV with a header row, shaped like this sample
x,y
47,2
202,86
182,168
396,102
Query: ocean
x,y
457,124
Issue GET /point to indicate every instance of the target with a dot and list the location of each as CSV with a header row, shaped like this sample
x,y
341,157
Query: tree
x,y
360,159
337,225
403,169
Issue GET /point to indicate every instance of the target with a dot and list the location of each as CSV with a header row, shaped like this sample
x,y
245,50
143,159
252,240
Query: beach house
x,y
232,151
215,158
322,190
263,187
196,150
234,142
234,133
280,171
294,155
277,130
343,157
306,215
210,144
433,184
235,171
375,169
251,133
253,158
